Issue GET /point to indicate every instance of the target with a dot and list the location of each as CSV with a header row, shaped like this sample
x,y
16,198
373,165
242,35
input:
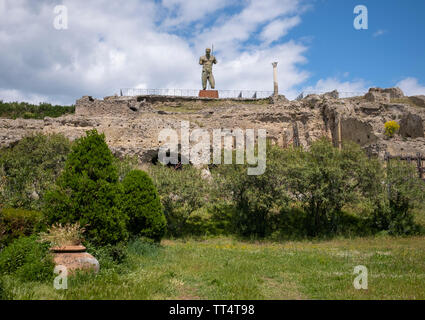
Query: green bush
x,y
15,223
200,223
181,192
256,197
30,168
25,110
27,260
141,203
2,290
4,294
403,193
290,223
88,192
109,256
325,179
143,247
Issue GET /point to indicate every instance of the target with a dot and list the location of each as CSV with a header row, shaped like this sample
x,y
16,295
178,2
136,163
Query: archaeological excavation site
x,y
131,124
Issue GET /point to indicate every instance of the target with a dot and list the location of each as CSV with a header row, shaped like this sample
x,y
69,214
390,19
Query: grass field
x,y
226,268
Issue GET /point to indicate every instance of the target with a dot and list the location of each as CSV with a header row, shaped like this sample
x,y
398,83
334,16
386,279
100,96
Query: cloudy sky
x,y
110,45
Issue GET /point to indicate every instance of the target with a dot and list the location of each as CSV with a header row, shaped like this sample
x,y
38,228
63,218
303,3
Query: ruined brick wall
x,y
110,106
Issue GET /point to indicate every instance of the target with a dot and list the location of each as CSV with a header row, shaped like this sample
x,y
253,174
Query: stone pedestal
x,y
212,94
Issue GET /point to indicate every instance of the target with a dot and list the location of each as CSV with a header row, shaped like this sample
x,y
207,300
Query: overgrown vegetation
x,y
14,110
141,204
29,168
16,223
319,193
27,260
87,192
315,193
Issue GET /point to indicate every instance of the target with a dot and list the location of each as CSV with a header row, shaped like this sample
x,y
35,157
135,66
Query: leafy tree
x,y
404,192
26,110
324,179
88,192
182,192
141,203
256,197
31,167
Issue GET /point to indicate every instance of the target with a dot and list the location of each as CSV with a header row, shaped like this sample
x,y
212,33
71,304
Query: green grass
x,y
226,268
14,110
199,105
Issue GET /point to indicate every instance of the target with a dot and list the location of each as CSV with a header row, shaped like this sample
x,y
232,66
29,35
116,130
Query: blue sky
x,y
109,45
389,51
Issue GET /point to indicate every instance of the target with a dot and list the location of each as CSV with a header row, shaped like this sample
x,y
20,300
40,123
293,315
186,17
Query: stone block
x,y
212,94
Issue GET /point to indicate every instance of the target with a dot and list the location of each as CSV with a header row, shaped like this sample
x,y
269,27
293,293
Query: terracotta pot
x,y
74,258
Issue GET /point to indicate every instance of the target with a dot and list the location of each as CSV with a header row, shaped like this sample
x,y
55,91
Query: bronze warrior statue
x,y
207,61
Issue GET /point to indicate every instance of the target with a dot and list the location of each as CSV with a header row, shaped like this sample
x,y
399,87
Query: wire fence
x,y
243,94
229,94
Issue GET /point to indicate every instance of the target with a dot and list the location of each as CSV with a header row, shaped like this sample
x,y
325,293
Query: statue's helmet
x,y
208,50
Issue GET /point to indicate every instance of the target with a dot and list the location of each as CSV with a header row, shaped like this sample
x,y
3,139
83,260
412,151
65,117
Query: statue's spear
x,y
212,53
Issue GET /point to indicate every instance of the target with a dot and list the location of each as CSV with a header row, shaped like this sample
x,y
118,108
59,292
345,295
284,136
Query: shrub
x,y
15,223
290,223
27,259
404,192
391,127
110,256
181,192
141,203
26,110
30,168
143,247
325,179
4,294
200,223
88,192
256,197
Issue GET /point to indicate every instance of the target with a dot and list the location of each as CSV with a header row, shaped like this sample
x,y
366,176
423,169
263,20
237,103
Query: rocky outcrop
x,y
418,100
132,124
411,126
383,95
278,99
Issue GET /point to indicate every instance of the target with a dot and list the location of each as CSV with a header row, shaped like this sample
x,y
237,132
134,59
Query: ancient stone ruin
x,y
132,124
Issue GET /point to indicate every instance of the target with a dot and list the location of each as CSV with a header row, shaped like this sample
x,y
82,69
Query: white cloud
x,y
19,96
378,33
278,28
411,87
231,34
187,11
110,45
253,70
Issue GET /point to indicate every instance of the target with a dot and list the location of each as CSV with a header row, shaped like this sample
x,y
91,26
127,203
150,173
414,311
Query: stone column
x,y
275,85
339,133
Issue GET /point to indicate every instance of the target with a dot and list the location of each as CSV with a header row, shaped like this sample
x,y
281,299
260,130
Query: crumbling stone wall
x,y
132,124
109,106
